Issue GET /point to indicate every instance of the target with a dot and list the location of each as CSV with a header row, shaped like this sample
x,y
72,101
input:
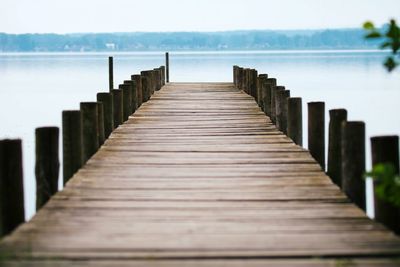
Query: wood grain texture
x,y
199,176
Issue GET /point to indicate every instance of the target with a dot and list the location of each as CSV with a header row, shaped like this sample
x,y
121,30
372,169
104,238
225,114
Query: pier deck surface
x,y
199,176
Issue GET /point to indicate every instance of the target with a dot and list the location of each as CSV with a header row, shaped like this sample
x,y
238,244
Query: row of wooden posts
x,y
83,133
346,146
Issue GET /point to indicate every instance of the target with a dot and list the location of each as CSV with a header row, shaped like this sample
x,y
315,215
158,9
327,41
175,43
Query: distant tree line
x,y
232,40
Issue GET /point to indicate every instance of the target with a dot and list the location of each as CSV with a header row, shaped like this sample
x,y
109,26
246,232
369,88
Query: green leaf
x,y
387,183
393,31
368,25
390,64
390,40
385,45
373,34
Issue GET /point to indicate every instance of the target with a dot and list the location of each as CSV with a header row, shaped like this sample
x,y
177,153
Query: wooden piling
x,y
270,83
153,77
246,84
316,131
274,99
162,75
127,100
157,80
72,143
235,75
138,83
118,107
12,212
152,82
261,84
385,149
90,129
167,65
110,73
160,85
108,112
47,164
240,78
353,161
135,96
295,120
253,83
132,86
337,117
281,110
146,84
100,120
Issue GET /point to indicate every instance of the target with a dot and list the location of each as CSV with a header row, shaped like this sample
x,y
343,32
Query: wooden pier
x,y
199,176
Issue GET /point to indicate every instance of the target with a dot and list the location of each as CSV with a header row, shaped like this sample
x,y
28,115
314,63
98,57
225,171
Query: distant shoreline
x,y
208,52
332,39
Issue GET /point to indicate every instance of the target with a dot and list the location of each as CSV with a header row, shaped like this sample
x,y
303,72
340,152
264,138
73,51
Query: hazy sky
x,y
63,16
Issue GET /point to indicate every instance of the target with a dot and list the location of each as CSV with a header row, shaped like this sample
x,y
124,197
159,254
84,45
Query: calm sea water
x,y
35,88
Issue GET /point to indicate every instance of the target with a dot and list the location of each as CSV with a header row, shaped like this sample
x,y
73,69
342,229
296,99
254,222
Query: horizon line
x,y
189,31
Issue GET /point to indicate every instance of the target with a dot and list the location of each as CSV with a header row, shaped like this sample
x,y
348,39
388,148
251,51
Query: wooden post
x,y
167,65
100,121
353,161
240,78
253,83
118,107
337,117
108,111
295,120
90,129
133,94
138,83
246,88
235,75
132,86
281,110
270,83
110,73
385,149
274,94
261,84
279,95
47,164
157,80
152,82
12,212
162,75
258,90
248,81
72,143
244,80
153,76
316,131
160,69
145,75
127,100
